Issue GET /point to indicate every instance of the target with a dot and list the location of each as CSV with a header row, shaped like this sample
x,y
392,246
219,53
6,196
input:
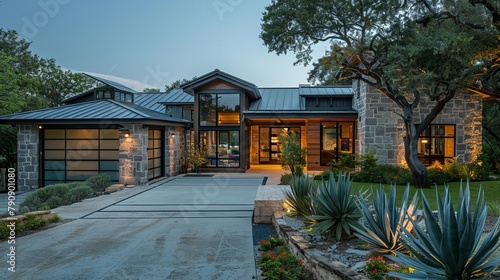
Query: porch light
x,y
424,141
39,127
172,135
124,131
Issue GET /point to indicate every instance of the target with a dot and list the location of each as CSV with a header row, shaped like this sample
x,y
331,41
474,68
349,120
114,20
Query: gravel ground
x,y
262,231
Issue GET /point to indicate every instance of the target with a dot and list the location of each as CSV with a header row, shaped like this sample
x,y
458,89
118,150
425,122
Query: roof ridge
x,y
123,105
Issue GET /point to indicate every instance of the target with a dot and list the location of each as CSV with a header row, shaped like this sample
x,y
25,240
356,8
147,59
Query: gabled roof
x,y
157,100
97,111
251,89
324,91
112,84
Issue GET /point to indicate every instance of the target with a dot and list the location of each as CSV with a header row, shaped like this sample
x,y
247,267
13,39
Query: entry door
x,y
269,144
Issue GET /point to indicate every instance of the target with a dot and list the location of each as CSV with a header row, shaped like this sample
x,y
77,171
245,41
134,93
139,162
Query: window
x,y
223,148
336,138
219,109
436,143
155,153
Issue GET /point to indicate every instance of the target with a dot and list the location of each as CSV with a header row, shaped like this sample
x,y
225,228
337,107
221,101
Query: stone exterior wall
x,y
27,157
175,150
381,130
133,164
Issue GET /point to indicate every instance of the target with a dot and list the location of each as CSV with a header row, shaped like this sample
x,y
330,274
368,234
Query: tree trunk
x,y
416,167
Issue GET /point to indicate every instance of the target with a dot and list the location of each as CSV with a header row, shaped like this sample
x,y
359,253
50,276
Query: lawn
x,y
491,191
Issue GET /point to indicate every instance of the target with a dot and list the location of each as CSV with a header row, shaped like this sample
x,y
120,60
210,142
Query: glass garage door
x,y
72,155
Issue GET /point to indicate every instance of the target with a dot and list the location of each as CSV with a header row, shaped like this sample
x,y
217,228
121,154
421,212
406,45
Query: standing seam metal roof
x,y
92,110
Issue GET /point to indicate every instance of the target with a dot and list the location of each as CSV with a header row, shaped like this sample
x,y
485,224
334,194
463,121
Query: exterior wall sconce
x,y
124,131
39,127
172,135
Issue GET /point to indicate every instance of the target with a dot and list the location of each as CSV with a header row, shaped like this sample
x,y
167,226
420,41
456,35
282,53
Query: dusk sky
x,y
153,42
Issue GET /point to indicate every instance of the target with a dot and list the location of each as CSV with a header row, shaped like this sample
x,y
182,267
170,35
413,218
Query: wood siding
x,y
219,84
313,145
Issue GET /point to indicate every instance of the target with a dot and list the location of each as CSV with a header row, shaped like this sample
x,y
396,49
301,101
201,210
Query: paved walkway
x,y
175,228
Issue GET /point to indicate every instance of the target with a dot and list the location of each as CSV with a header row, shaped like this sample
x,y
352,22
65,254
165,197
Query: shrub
x,y
450,247
382,227
346,163
277,262
44,198
99,183
299,196
293,157
286,179
77,194
439,176
335,208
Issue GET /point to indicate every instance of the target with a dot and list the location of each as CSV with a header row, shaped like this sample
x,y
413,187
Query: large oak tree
x,y
395,47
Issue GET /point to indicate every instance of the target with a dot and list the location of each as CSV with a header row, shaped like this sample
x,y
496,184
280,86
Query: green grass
x,y
491,191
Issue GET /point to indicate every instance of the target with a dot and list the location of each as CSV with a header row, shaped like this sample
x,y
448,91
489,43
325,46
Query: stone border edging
x,y
313,261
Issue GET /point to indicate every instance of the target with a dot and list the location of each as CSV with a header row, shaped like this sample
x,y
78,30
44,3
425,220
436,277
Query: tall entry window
x,y
223,148
155,153
219,109
72,155
336,138
436,143
219,128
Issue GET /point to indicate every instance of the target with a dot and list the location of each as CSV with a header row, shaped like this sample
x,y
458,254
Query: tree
x,y
395,47
151,90
177,84
57,84
293,157
491,132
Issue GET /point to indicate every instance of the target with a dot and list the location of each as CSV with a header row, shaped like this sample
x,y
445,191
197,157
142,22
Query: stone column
x,y
174,150
27,157
134,155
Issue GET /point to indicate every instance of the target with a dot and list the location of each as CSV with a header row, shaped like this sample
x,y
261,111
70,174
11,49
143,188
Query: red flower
x,y
300,261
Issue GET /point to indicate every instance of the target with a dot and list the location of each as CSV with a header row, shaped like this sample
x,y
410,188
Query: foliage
x,y
277,262
53,196
50,196
491,133
99,183
28,82
270,243
376,268
30,223
382,227
394,47
450,247
335,208
286,179
293,157
149,90
177,84
385,174
302,188
344,163
494,208
77,194
58,84
197,157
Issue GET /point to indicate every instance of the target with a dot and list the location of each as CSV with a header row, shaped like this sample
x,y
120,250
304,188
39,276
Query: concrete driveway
x,y
181,228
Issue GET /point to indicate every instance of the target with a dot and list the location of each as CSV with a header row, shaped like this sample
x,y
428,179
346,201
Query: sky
x,y
150,43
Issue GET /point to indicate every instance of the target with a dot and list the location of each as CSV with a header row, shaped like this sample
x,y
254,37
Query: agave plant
x,y
450,248
382,228
299,195
335,208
